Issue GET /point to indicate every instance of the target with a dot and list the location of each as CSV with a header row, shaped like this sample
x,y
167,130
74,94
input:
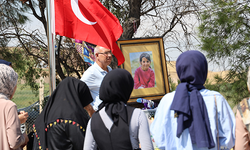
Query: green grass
x,y
24,96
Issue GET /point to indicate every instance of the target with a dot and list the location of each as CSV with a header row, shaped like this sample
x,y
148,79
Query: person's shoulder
x,y
137,110
90,69
151,70
109,68
137,69
207,92
8,104
138,113
90,72
167,100
168,95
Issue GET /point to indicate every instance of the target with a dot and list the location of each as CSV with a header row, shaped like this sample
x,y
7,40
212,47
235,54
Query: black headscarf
x,y
115,90
191,67
66,102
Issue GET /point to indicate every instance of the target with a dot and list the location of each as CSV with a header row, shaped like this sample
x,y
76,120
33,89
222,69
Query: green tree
x,y
234,89
168,18
12,20
224,33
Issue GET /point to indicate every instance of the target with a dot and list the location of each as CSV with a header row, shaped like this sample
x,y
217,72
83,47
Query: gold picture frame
x,y
132,49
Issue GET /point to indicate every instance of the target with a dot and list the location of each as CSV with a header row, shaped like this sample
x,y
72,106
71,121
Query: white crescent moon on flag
x,y
77,12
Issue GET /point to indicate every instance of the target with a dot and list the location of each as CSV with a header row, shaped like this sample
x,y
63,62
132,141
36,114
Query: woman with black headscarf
x,y
62,123
116,126
186,119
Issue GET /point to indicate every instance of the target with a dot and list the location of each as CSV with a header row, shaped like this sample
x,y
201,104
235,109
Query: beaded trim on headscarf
x,y
8,80
58,121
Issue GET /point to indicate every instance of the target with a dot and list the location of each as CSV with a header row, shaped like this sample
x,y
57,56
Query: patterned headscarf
x,y
8,80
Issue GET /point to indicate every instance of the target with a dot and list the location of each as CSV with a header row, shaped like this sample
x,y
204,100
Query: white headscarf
x,y
8,80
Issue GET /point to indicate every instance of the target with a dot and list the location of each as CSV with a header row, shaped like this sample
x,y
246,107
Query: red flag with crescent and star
x,y
90,21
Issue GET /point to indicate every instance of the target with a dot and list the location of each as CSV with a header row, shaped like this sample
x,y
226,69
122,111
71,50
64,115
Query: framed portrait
x,y
145,60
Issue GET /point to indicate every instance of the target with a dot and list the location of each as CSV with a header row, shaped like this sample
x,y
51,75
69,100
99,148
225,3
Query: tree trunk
x,y
58,63
133,22
130,25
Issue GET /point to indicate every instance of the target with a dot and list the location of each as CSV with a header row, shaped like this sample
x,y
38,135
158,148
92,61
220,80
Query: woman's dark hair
x,y
146,55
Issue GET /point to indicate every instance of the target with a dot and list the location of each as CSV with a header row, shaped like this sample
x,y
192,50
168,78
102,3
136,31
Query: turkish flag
x,y
90,21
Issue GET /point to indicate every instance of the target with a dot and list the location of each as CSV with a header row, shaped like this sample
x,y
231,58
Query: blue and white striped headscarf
x,y
188,103
8,80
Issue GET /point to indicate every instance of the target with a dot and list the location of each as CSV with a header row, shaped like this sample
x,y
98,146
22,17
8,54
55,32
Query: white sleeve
x,y
144,133
89,142
226,123
161,119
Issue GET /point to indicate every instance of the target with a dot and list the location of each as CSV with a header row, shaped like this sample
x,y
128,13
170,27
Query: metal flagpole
x,y
51,46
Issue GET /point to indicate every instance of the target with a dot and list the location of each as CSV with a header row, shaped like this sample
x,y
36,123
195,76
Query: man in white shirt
x,y
94,75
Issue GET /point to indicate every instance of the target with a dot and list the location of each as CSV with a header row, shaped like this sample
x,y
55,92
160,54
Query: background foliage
x,y
223,36
224,33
